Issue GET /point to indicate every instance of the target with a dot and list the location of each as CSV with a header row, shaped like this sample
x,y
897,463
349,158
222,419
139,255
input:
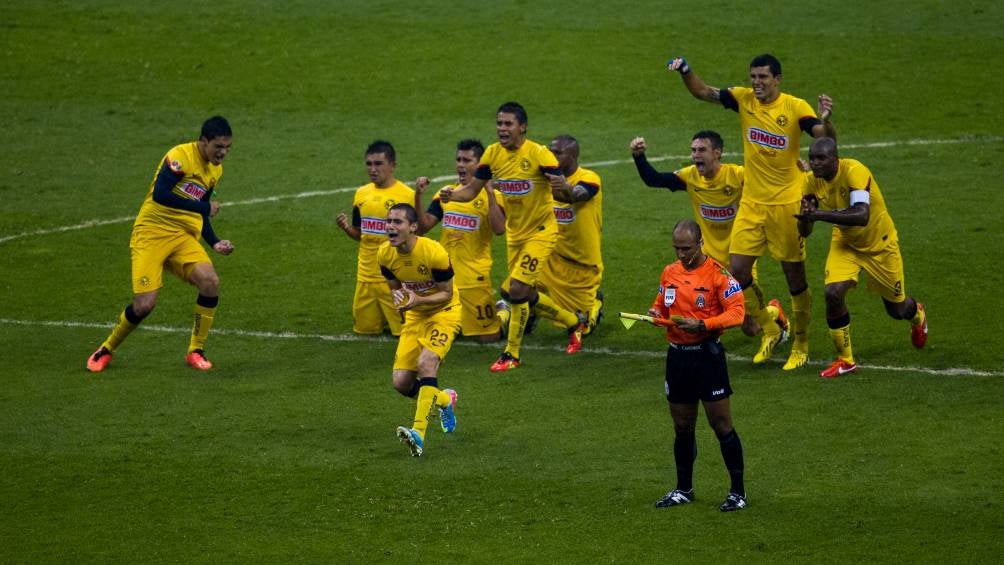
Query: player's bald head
x,y
825,146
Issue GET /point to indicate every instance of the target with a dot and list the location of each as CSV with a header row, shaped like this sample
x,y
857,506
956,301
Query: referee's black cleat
x,y
675,497
733,502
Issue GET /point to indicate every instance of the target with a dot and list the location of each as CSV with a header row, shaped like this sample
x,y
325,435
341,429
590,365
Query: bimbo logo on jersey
x,y
513,187
418,287
718,213
193,190
462,222
565,216
767,139
373,226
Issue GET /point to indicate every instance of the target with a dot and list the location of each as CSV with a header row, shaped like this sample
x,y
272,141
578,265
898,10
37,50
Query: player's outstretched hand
x,y
678,64
638,145
825,107
223,247
421,183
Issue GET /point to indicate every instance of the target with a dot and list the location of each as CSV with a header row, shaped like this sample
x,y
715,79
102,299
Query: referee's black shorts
x,y
697,372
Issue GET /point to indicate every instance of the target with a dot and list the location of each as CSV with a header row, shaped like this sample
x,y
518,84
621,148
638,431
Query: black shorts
x,y
697,372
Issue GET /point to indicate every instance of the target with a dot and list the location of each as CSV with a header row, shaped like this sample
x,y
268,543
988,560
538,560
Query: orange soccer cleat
x,y
99,360
197,360
918,333
575,334
839,367
505,362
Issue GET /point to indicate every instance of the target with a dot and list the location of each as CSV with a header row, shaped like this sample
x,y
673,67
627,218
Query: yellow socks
x,y
205,309
518,315
429,397
548,309
841,338
801,307
123,327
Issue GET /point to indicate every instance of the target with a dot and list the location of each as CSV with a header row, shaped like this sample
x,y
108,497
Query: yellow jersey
x,y
371,204
836,195
466,235
526,192
772,137
580,224
198,178
419,270
715,203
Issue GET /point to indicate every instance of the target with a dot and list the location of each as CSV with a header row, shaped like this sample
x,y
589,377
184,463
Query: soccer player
x,y
574,270
172,218
771,122
843,192
372,305
420,279
522,170
715,189
468,229
705,300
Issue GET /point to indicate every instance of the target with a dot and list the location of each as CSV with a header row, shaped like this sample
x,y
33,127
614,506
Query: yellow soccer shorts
x,y
372,305
527,258
884,269
434,332
154,250
571,285
768,227
478,311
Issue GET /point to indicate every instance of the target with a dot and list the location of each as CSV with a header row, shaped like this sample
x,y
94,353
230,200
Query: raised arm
x,y
465,193
824,109
496,215
694,84
648,174
351,229
426,219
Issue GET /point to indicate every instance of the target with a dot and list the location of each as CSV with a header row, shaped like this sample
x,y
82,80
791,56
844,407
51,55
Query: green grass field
x,y
285,452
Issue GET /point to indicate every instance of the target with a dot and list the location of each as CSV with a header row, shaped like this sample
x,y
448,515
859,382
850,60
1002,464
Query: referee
x,y
705,300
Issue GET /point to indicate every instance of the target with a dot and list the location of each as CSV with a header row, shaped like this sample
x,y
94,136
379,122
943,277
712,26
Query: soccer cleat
x,y
769,340
796,360
410,438
505,362
447,416
197,360
99,360
781,319
733,502
839,367
575,334
675,497
918,333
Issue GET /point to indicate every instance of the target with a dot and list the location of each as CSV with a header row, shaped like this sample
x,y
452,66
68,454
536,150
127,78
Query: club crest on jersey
x,y
564,215
524,165
513,187
782,120
373,226
389,203
700,301
462,222
734,287
718,213
669,297
765,138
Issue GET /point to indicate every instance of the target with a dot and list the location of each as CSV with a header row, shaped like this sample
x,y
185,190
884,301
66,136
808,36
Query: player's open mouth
x,y
462,174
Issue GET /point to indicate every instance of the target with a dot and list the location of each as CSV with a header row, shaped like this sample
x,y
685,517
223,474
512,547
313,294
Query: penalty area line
x,y
352,338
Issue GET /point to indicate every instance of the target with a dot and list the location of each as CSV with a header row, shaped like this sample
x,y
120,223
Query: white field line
x,y
312,193
352,338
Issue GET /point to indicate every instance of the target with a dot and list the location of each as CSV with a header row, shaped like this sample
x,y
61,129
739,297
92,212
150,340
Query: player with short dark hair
x,y
843,192
522,170
715,190
372,305
772,123
174,215
419,275
467,233
704,300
